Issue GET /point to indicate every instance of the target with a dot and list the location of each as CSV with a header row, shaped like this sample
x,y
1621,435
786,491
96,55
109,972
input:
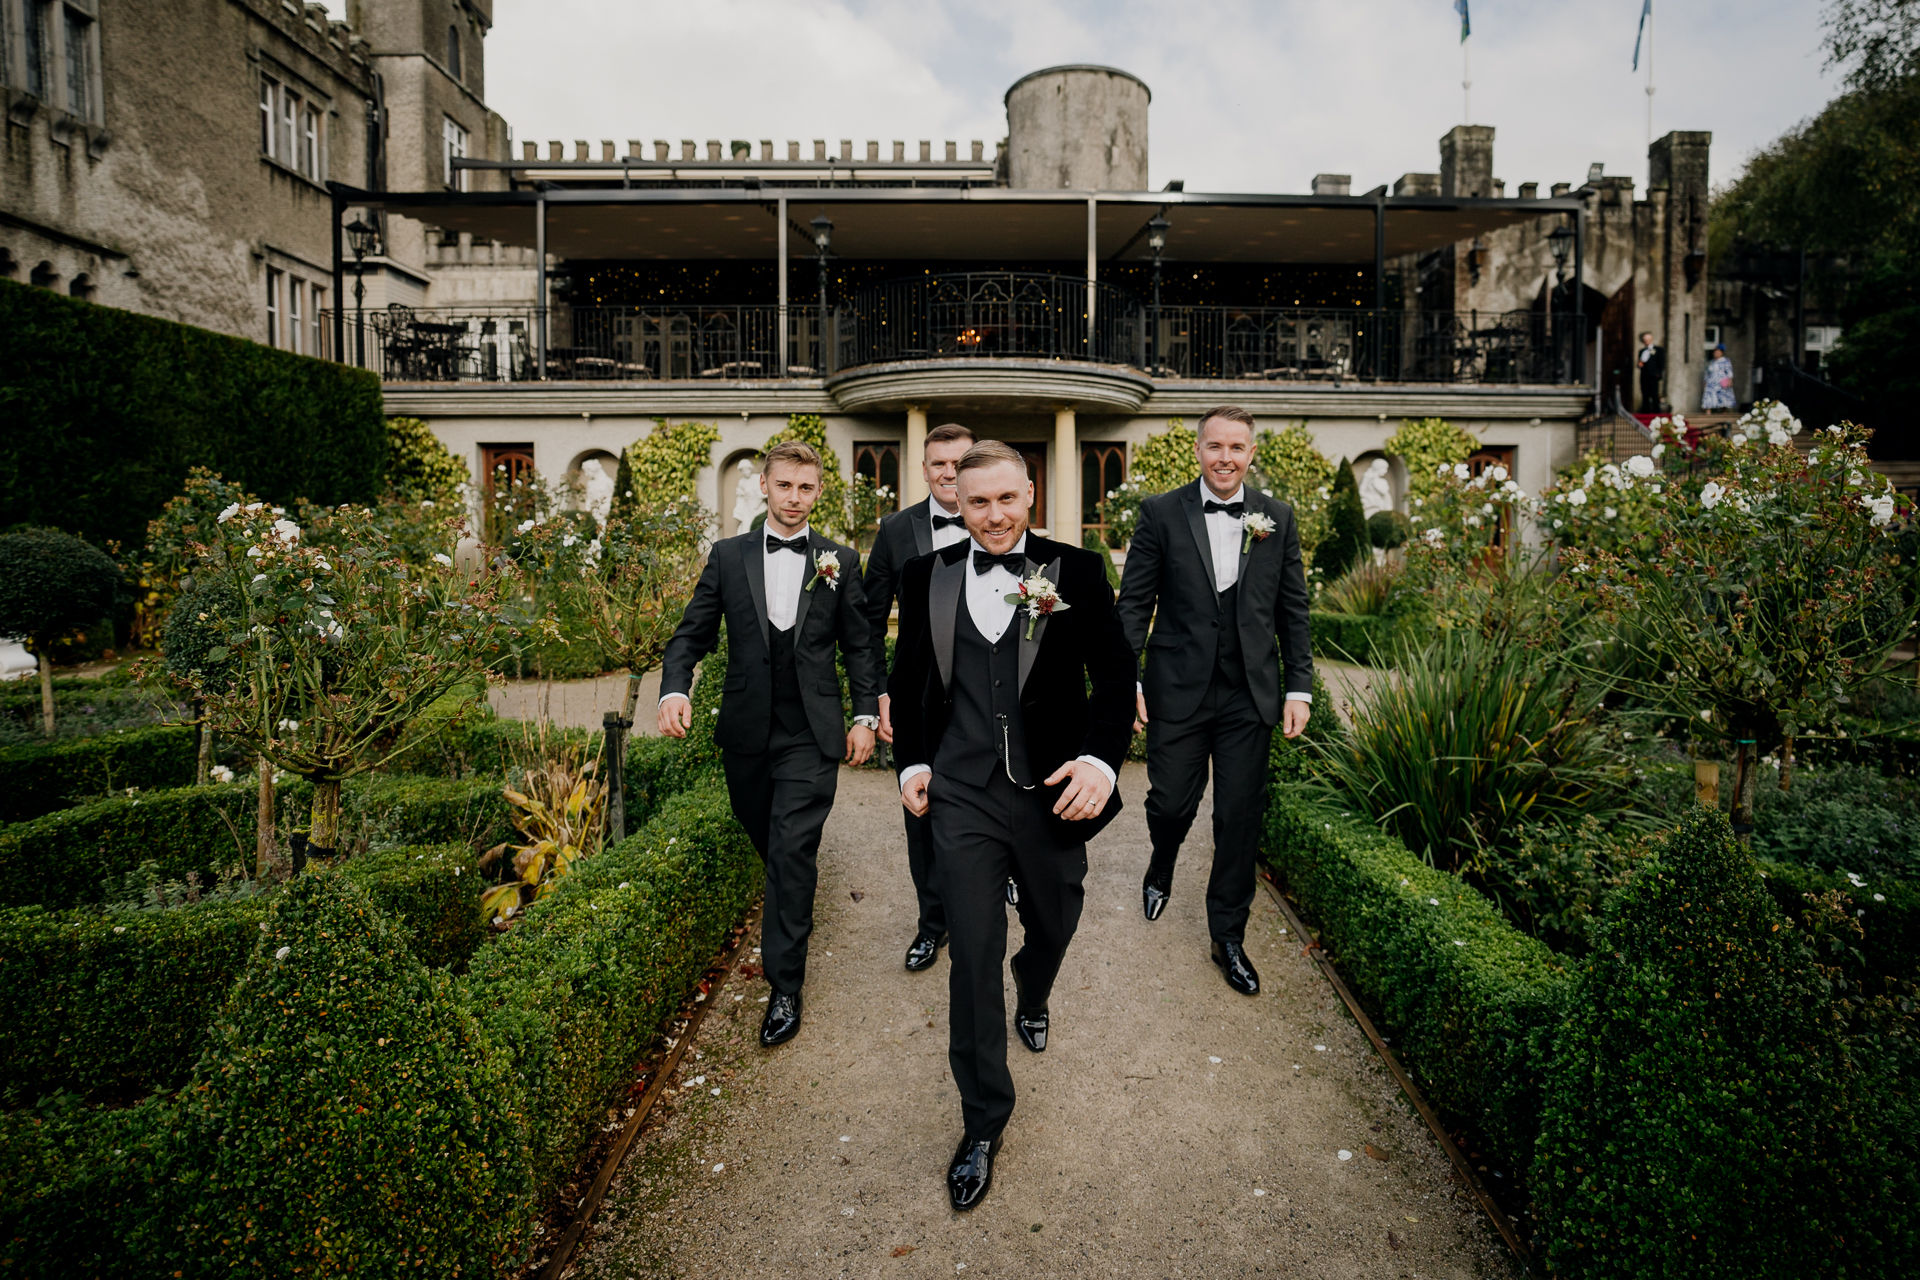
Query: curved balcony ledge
x,y
990,385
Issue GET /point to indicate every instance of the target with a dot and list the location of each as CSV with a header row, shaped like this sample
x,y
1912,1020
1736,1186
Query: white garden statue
x,y
596,489
748,501
1376,490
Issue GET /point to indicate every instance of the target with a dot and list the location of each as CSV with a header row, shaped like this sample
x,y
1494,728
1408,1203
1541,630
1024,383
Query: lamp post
x,y
1560,240
361,237
1157,241
822,242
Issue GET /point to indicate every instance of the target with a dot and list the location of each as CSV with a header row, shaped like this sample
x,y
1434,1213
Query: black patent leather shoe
x,y
782,1022
971,1173
1013,892
1031,1026
924,951
1237,969
1154,892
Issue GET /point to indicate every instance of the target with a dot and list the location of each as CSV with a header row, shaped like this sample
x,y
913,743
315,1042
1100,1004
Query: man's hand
x,y
1086,793
914,794
1139,712
676,717
859,744
886,719
1294,716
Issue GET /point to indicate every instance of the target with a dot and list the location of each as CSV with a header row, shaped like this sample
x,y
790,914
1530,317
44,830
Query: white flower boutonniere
x,y
1038,598
1258,526
826,568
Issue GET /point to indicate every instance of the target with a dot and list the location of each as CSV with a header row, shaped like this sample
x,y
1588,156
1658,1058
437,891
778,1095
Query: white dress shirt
x,y
785,574
952,533
992,614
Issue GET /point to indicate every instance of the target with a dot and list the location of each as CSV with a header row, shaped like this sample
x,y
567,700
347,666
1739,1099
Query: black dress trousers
x,y
983,834
782,797
933,913
1226,730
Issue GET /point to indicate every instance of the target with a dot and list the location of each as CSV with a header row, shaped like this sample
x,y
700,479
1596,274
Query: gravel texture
x,y
1172,1128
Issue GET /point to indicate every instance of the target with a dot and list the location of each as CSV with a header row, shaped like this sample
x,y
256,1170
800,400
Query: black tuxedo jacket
x,y
903,536
734,586
1168,585
1071,651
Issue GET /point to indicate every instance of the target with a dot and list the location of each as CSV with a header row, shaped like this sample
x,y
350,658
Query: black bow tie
x,y
1014,562
948,522
1234,510
796,545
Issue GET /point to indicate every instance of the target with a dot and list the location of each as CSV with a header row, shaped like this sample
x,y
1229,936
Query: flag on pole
x,y
1646,13
1466,25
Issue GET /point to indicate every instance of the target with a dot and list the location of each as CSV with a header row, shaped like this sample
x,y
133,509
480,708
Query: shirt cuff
x,y
907,774
1112,779
665,696
1299,697
867,722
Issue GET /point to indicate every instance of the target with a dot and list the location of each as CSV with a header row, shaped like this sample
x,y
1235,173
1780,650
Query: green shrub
x,y
76,1189
1351,637
120,1000
1709,1114
347,1118
92,709
1470,1001
1889,912
1388,529
131,402
1347,542
39,779
580,986
389,811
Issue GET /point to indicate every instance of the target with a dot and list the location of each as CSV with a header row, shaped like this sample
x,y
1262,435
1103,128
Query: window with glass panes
x,y
80,68
276,289
1103,468
456,149
879,461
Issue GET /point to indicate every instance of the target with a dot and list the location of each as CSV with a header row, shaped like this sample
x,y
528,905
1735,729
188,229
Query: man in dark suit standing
x,y
1652,361
905,535
1214,569
788,596
1001,743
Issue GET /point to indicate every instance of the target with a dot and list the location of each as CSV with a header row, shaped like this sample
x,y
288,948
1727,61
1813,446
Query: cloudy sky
x,y
1248,95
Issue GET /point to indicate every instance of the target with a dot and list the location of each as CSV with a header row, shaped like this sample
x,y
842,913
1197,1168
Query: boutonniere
x,y
1258,526
826,568
1039,598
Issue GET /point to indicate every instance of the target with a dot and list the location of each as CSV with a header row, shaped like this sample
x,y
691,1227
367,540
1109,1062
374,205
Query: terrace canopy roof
x,y
986,223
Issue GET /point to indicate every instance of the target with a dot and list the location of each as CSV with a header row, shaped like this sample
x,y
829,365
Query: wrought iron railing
x,y
982,315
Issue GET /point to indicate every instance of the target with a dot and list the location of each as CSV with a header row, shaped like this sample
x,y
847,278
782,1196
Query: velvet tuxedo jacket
x,y
733,587
1169,586
1076,673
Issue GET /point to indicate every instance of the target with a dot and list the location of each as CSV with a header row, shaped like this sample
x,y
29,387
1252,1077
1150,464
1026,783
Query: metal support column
x,y
339,284
1093,259
540,288
781,335
1579,293
1379,324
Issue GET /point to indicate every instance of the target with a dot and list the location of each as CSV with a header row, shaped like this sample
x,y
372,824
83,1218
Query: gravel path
x,y
1172,1128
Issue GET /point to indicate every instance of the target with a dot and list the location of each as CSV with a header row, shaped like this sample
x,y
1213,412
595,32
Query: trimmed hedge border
x,y
39,779
1472,1001
1350,637
123,999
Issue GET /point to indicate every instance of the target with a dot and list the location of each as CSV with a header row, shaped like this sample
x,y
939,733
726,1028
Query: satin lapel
x,y
922,522
753,558
1030,649
943,611
815,547
1197,521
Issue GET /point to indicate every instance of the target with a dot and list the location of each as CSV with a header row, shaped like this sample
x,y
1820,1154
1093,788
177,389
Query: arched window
x,y
81,287
453,52
45,276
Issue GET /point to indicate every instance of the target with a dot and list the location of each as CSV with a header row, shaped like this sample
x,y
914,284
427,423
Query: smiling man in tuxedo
x,y
1011,698
1214,569
906,535
788,596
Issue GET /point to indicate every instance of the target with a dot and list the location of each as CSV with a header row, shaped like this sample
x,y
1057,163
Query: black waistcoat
x,y
1228,663
985,734
789,709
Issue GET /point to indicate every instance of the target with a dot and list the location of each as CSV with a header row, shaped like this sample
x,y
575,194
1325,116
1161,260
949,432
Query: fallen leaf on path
x,y
902,1250
1375,1152
856,895
1393,1241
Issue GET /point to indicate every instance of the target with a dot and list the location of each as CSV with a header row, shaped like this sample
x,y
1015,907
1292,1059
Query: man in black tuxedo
x,y
905,535
1652,363
788,596
1001,743
1214,569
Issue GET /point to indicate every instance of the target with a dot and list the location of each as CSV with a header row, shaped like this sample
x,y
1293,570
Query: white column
x,y
1064,522
913,481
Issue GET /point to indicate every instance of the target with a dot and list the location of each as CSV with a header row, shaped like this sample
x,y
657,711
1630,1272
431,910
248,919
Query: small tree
x,y
51,584
195,627
1347,542
339,646
1425,446
1770,596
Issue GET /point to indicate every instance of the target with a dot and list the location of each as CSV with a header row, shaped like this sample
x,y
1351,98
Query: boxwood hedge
x,y
1351,637
42,777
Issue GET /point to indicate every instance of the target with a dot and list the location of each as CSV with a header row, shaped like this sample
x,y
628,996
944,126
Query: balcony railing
x,y
987,315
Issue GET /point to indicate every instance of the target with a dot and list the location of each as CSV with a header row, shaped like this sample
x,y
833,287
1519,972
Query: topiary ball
x,y
196,627
1388,529
52,583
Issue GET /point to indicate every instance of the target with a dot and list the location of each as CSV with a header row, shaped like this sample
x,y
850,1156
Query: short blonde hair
x,y
798,452
990,453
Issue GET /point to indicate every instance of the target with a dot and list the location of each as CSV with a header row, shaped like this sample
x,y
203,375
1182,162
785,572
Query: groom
x,y
788,597
1214,569
1010,721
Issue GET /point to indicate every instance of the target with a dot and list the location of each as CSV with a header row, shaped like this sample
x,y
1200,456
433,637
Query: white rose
x,y
1578,497
524,526
286,529
1473,522
1737,439
1711,495
1461,471
232,510
1640,464
1657,450
1499,473
1610,513
442,558
1434,537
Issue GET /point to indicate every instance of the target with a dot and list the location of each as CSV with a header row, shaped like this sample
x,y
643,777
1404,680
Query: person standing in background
x,y
1718,392
1652,361
921,529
